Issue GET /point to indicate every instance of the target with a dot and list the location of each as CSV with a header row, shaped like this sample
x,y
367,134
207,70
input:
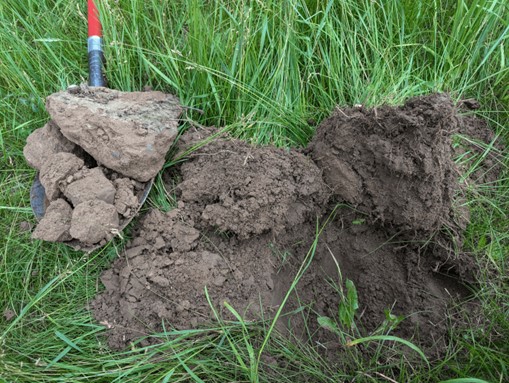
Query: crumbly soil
x,y
247,217
100,150
235,200
247,190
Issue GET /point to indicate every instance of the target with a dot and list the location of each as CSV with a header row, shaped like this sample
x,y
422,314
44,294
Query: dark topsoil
x,y
247,217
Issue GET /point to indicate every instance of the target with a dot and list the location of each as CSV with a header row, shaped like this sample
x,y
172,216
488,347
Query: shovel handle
x,y
95,49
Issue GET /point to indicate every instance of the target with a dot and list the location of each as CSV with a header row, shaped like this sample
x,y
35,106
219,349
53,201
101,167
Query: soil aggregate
x,y
93,221
56,223
56,169
98,152
45,142
89,184
384,180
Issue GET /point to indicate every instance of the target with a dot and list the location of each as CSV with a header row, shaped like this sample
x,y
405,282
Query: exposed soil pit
x,y
235,202
247,217
96,157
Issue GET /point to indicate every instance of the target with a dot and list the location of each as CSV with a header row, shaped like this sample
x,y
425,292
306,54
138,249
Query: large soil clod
x,y
394,164
129,132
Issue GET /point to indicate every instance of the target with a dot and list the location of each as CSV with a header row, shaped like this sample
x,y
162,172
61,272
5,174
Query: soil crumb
x,y
383,180
101,145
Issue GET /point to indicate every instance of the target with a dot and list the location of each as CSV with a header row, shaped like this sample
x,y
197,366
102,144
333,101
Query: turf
x,y
267,71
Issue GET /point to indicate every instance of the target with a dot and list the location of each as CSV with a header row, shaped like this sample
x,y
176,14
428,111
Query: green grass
x,y
264,70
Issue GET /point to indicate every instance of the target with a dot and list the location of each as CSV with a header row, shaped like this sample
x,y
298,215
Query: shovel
x,y
96,61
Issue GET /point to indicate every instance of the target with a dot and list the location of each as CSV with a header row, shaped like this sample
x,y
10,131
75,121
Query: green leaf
x,y
328,324
349,305
168,376
389,338
67,341
353,299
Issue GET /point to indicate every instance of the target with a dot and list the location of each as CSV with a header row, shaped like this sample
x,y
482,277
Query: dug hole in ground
x,y
379,185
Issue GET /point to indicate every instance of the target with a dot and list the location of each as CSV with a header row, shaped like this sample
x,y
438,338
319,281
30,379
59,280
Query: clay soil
x,y
247,217
96,157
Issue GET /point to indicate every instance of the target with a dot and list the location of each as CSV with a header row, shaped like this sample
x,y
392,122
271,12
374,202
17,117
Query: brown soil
x,y
89,184
56,169
98,151
247,217
45,142
256,193
393,163
56,223
94,221
234,187
129,132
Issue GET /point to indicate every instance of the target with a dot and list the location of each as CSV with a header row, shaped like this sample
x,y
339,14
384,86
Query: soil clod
x,y
45,142
56,223
91,185
93,221
129,132
394,164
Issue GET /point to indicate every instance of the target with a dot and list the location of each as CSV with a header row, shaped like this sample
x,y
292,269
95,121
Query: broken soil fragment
x,y
45,142
9,315
101,145
56,223
394,163
91,185
125,200
93,221
56,169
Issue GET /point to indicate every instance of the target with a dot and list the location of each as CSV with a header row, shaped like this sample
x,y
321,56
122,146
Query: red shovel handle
x,y
95,50
94,24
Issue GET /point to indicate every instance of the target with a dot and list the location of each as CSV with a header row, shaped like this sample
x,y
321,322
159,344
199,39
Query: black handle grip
x,y
95,68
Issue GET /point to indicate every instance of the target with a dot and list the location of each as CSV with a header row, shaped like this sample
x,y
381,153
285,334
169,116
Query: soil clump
x,y
128,132
96,156
383,179
394,164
